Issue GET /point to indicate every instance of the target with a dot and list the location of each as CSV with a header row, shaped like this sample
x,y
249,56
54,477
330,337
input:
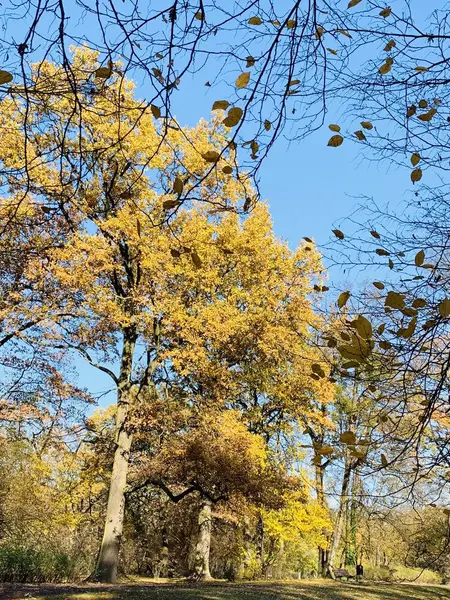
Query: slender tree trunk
x,y
108,559
203,547
260,543
340,518
247,543
320,492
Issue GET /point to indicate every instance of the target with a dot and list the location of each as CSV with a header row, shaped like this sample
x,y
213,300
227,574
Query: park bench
x,y
342,573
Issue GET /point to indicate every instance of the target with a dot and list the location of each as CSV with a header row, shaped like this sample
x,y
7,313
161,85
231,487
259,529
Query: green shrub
x,y
401,573
27,565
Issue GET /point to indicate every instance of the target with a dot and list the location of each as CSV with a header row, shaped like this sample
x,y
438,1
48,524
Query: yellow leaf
x,y
211,156
395,300
363,327
103,72
267,125
325,450
294,82
338,233
196,259
220,105
378,285
319,32
353,3
385,12
419,303
391,44
366,124
423,103
334,127
415,158
428,115
200,15
343,32
250,62
335,140
233,117
384,460
178,186
444,308
382,252
386,67
411,111
419,258
421,69
242,80
416,175
291,24
156,112
5,77
348,437
375,234
360,135
343,299
169,204
227,170
332,51
255,21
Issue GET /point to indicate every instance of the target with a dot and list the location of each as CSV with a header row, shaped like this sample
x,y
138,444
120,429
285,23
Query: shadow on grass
x,y
319,590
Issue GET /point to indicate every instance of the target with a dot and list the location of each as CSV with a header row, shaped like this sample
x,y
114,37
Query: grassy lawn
x,y
317,590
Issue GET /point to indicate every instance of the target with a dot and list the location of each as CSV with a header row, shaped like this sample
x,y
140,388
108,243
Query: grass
x,y
301,590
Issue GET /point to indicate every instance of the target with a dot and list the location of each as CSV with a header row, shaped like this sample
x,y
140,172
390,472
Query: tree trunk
x,y
260,543
203,547
108,559
340,519
320,492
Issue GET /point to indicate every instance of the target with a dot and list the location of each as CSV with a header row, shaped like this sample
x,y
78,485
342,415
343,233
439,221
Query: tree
x,y
170,293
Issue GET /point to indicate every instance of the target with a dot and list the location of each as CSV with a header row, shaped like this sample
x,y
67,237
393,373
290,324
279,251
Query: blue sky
x,y
310,187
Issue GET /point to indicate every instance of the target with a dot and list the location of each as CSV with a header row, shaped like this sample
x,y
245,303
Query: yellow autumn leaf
x,y
255,21
385,12
390,45
211,156
348,437
233,117
103,72
220,105
395,300
353,3
366,125
5,77
335,141
334,127
343,299
415,158
378,285
419,258
242,80
156,111
178,186
416,175
338,233
386,67
444,308
360,135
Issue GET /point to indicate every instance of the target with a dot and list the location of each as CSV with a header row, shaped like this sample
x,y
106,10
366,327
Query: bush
x,y
26,565
401,573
